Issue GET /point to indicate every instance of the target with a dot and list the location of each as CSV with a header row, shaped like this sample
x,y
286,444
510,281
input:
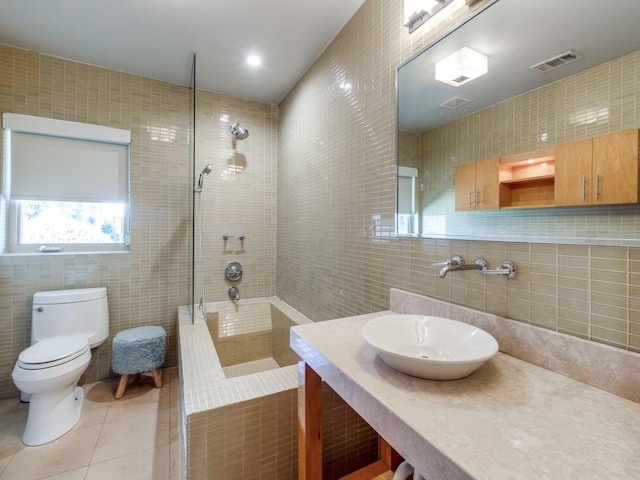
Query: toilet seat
x,y
52,351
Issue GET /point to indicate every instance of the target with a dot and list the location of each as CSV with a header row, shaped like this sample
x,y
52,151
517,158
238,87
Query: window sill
x,y
57,254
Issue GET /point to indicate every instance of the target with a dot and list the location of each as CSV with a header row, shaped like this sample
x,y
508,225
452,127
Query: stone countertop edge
x,y
510,419
612,369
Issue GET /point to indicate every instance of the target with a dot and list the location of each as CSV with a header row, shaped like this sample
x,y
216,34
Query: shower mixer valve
x,y
233,271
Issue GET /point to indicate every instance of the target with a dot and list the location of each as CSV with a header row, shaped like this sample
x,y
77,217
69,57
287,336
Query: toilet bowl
x,y
65,326
49,371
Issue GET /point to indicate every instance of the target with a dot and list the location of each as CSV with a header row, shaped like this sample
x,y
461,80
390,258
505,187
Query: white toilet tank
x,y
83,311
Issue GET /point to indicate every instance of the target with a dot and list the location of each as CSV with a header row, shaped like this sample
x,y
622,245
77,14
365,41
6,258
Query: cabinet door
x,y
465,187
487,184
615,168
573,173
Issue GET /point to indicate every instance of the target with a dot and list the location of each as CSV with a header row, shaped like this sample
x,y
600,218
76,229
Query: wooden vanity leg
x,y
309,423
389,456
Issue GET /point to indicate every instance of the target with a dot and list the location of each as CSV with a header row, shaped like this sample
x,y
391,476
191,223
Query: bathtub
x,y
238,390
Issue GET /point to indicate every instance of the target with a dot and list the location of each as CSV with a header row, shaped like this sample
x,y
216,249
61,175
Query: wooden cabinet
x,y
573,173
601,170
615,168
476,186
598,171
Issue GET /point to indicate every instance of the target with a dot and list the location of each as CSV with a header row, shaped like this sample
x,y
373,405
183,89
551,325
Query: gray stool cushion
x,y
139,349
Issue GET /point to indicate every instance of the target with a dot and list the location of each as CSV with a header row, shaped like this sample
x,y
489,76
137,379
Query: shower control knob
x,y
233,272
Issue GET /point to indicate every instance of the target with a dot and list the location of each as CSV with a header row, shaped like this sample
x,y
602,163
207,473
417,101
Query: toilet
x,y
65,325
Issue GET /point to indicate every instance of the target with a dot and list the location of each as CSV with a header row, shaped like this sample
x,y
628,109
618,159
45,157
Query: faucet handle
x,y
455,260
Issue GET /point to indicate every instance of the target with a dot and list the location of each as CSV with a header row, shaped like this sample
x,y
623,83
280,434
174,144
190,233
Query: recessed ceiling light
x,y
254,60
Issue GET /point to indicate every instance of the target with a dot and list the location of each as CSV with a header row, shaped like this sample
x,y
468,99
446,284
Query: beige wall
x,y
146,285
336,202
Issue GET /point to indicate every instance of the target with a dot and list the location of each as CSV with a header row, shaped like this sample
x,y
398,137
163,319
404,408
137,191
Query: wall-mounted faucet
x,y
456,260
456,264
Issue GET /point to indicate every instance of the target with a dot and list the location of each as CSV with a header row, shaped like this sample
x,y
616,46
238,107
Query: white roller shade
x,y
55,168
407,190
59,160
406,201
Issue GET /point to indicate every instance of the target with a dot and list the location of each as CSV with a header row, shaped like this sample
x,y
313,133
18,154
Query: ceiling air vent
x,y
454,102
557,61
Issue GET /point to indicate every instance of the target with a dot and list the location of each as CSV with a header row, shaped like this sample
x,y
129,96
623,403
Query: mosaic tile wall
x,y
336,203
258,438
148,284
239,196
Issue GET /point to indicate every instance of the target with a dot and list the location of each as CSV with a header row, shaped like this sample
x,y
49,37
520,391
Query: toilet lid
x,y
52,351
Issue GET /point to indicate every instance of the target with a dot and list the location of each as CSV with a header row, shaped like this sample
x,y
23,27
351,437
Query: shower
x,y
198,189
239,132
205,171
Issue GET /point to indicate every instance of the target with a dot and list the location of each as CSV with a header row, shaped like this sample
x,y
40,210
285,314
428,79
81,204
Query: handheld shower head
x,y
238,131
205,171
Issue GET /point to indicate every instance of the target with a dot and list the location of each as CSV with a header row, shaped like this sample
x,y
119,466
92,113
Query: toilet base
x,y
52,414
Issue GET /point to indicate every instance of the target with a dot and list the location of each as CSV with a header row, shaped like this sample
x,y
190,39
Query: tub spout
x,y
234,294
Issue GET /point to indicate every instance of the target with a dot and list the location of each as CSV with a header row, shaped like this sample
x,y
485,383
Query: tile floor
x,y
135,437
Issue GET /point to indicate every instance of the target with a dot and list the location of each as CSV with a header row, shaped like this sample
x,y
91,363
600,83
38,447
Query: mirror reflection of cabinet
x,y
527,179
598,171
476,186
573,173
615,168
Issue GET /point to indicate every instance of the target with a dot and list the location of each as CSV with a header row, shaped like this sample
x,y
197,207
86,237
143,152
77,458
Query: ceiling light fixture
x,y
418,12
254,60
461,67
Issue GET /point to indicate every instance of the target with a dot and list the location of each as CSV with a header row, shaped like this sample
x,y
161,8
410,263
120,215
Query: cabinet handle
x,y
470,199
597,186
477,198
584,188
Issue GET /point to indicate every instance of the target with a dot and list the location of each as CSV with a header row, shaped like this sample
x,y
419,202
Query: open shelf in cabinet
x,y
527,180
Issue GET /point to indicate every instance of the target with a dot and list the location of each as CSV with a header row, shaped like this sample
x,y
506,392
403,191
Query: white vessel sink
x,y
429,347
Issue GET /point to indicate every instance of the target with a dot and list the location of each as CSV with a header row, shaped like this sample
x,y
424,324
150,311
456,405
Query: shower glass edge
x,y
192,176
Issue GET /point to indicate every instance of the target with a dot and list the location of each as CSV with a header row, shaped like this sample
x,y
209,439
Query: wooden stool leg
x,y
122,386
157,378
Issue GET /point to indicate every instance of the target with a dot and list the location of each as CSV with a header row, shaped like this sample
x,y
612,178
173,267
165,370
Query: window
x,y
66,184
407,218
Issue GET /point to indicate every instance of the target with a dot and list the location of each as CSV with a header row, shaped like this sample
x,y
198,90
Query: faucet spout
x,y
461,267
234,294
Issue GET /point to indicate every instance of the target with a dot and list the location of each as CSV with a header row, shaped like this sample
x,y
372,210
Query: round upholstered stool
x,y
137,350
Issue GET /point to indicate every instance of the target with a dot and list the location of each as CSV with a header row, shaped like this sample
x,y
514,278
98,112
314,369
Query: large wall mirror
x,y
586,84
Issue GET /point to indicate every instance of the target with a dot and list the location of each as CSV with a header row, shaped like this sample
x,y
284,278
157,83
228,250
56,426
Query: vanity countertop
x,y
508,420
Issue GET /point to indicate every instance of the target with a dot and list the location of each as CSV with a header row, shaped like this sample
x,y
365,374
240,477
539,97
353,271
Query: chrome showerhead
x,y
205,171
238,131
